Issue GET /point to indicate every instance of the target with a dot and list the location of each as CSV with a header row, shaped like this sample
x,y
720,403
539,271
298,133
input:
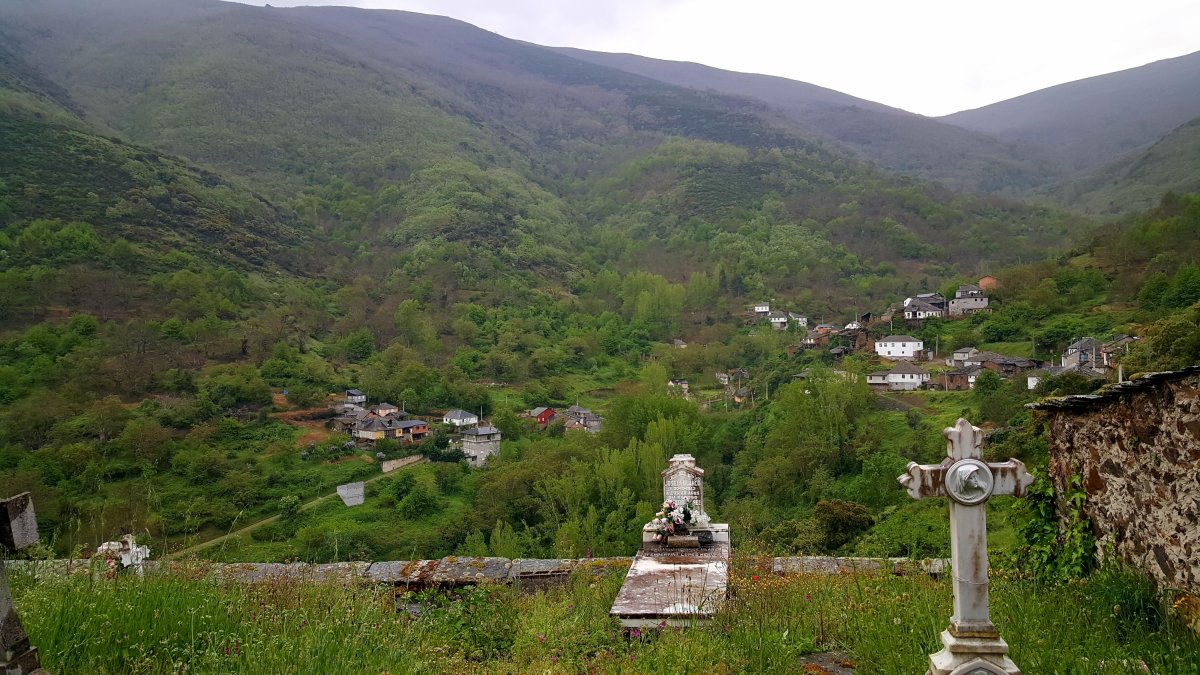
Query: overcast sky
x,y
931,57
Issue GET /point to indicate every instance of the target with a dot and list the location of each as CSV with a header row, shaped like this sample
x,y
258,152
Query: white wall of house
x,y
906,381
899,350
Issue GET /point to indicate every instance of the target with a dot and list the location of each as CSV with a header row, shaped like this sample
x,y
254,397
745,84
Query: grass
x,y
887,624
375,530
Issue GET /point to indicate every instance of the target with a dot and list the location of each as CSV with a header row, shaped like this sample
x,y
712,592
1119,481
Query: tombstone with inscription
x,y
972,645
18,530
682,580
352,494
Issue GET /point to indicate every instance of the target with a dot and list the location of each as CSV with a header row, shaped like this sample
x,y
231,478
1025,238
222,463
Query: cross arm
x,y
1010,478
925,480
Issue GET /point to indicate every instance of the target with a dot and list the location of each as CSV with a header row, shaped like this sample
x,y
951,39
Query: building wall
x,y
966,305
898,350
1138,458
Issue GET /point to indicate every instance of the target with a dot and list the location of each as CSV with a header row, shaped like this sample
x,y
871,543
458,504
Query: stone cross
x,y
972,646
18,530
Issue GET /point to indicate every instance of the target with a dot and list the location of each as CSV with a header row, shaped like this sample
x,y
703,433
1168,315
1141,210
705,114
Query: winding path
x,y
271,519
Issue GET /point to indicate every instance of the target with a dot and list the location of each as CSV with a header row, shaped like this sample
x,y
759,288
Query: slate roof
x,y
457,414
905,368
1085,344
921,306
1113,392
898,338
481,431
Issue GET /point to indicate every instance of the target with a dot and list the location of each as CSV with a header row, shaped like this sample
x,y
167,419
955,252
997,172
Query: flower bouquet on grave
x,y
672,519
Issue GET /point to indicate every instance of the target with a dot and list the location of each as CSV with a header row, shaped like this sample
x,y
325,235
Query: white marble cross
x,y
972,644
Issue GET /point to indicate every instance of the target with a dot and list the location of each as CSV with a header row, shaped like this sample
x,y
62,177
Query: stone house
x,y
1084,352
356,397
899,347
1134,449
968,299
479,443
762,308
579,417
798,319
954,380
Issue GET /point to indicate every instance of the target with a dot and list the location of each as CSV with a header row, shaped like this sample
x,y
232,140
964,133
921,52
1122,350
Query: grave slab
x,y
677,585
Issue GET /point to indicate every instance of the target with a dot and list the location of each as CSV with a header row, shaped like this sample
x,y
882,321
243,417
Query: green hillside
x,y
896,140
218,216
1171,164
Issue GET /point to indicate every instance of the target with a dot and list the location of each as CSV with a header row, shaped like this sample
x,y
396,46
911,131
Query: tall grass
x,y
887,624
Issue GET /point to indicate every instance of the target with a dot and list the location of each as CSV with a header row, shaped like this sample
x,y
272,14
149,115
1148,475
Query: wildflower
x,y
635,633
754,577
541,638
896,621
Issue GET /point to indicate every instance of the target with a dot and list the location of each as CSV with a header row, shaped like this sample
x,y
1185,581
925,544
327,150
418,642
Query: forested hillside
x,y
958,158
215,217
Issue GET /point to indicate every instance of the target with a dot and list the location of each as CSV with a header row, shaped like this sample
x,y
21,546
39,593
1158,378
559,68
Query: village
x,y
901,362
474,436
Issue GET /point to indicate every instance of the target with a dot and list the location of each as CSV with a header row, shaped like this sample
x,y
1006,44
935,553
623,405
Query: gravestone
x,y
677,586
683,482
352,494
971,643
18,530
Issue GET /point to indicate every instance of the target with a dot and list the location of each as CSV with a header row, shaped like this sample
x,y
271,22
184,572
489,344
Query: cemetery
x,y
685,598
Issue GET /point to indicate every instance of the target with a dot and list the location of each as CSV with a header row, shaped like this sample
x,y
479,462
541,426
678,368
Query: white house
x,y
960,356
797,319
460,418
779,320
853,325
899,347
877,380
762,308
919,309
905,377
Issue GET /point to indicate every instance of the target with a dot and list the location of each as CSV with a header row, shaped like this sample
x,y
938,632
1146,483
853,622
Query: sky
x,y
932,57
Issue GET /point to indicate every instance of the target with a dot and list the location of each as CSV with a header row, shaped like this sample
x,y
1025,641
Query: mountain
x,y
892,138
1137,183
1090,123
350,114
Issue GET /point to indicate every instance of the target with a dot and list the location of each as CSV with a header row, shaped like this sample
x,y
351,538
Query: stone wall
x,y
1136,450
455,571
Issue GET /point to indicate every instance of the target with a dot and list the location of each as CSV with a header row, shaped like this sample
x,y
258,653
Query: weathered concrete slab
x,y
456,571
673,586
819,564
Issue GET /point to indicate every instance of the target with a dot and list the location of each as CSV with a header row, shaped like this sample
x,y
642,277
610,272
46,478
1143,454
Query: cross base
x,y
972,656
